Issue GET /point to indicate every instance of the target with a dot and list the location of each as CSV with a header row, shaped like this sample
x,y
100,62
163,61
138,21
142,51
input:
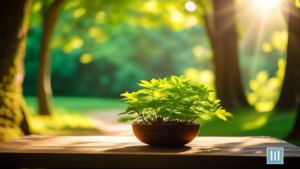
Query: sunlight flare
x,y
266,4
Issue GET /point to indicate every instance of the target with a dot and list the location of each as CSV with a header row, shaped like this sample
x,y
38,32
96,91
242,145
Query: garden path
x,y
106,121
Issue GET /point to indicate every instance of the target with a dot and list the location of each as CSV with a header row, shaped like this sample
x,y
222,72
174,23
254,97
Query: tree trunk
x,y
44,90
295,132
290,87
223,39
291,83
14,16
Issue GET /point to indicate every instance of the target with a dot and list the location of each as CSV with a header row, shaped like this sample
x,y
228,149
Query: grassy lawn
x,y
250,123
69,116
70,113
79,105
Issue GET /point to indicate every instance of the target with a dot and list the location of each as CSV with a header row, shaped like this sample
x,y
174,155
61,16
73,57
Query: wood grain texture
x,y
128,152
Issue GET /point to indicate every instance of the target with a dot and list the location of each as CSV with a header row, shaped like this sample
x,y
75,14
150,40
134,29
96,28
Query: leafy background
x,y
101,49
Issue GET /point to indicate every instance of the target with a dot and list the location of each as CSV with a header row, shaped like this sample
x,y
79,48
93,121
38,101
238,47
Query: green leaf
x,y
181,78
221,116
154,81
132,112
205,117
174,79
164,113
128,110
126,94
173,98
217,101
228,114
122,113
187,113
143,85
148,84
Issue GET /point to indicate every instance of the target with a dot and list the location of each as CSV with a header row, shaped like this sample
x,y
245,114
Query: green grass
x,y
69,116
248,122
71,111
79,105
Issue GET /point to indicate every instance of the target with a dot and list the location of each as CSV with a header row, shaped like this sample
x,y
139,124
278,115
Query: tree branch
x,y
193,119
141,114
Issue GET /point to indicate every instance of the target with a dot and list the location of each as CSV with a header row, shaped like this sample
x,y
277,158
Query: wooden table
x,y
128,152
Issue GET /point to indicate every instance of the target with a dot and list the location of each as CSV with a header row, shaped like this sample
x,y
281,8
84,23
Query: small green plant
x,y
174,100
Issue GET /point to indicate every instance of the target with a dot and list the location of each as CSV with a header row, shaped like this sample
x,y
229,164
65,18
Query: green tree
x,y
290,93
14,17
220,25
44,90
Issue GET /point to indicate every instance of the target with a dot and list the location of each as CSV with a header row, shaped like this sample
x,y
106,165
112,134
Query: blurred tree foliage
x,y
105,50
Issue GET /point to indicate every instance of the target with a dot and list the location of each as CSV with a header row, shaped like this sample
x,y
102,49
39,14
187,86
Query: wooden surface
x,y
128,152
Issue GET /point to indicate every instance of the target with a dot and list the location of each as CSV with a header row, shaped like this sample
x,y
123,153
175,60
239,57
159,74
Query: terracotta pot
x,y
165,135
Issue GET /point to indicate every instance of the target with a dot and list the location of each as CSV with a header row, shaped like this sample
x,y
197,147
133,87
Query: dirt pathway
x,y
106,121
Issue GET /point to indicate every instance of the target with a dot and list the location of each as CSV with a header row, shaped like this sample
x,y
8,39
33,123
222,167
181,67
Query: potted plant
x,y
165,110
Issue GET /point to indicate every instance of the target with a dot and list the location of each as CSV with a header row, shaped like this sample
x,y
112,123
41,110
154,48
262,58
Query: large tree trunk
x,y
223,39
290,91
291,83
295,132
44,90
14,17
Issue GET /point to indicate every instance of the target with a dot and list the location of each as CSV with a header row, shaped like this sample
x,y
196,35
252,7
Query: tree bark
x,y
14,16
44,90
223,38
295,132
290,87
290,94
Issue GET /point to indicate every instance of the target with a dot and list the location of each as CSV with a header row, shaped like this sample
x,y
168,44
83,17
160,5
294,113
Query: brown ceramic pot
x,y
165,135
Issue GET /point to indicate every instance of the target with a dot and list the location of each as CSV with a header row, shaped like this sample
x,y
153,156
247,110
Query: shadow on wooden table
x,y
150,149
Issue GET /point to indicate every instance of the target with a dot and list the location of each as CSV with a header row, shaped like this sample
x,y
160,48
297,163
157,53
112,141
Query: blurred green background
x,y
100,49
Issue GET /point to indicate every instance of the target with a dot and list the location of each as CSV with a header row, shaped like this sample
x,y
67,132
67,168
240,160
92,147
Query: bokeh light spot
x,y
267,47
76,43
262,76
259,122
37,6
71,4
253,85
297,3
176,17
86,58
190,6
198,51
252,98
279,40
206,76
264,106
273,83
99,16
151,6
191,21
67,48
96,33
79,12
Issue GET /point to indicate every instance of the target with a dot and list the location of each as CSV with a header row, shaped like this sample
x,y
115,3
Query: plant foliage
x,y
172,100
